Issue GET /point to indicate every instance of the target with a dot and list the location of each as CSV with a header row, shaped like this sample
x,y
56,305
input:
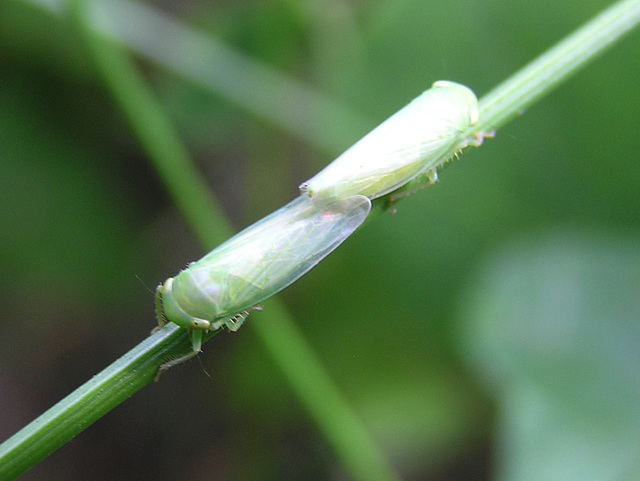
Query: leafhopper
x,y
411,142
220,289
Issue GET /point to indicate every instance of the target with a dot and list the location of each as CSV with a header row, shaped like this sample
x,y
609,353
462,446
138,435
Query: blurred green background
x,y
488,330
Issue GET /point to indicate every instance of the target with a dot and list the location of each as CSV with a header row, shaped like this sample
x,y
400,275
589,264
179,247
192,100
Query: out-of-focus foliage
x,y
85,229
552,326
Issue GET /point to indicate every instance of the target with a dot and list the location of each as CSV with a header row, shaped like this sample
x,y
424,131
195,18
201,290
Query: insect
x,y
221,288
411,142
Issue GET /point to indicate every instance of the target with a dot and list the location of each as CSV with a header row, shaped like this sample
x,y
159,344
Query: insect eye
x,y
200,324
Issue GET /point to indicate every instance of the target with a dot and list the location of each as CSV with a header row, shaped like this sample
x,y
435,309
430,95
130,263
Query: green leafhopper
x,y
409,143
221,288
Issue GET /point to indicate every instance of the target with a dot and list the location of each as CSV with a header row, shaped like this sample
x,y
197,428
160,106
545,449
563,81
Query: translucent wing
x,y
267,256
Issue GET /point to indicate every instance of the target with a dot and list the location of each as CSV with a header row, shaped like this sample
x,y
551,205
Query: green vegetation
x,y
494,316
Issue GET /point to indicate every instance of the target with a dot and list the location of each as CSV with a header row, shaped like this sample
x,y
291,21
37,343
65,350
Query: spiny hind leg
x,y
162,318
196,347
233,323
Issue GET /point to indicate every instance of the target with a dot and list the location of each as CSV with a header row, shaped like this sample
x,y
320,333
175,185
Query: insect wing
x,y
273,253
382,160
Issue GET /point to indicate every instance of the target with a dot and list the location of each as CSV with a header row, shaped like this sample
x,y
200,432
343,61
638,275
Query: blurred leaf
x,y
551,324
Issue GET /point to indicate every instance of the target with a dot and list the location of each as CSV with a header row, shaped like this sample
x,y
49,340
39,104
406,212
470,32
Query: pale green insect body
x,y
219,289
411,142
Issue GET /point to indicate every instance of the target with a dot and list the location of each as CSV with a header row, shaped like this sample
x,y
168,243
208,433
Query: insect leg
x,y
196,345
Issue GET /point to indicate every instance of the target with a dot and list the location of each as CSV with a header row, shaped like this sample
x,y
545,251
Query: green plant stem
x,y
90,402
352,443
541,76
331,411
277,330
